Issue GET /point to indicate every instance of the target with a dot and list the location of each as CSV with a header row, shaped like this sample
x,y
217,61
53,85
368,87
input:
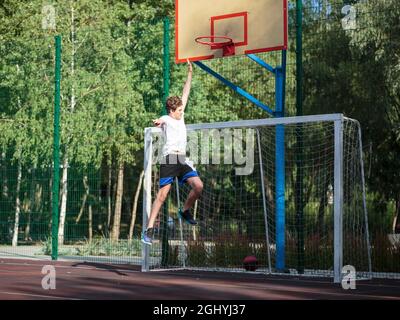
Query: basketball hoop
x,y
227,46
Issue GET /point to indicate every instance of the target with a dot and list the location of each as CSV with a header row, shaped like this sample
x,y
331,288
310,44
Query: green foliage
x,y
226,251
173,256
105,247
46,247
385,254
229,251
356,72
197,254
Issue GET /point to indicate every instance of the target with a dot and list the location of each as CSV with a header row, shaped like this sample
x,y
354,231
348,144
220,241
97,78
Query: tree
x,y
24,94
355,72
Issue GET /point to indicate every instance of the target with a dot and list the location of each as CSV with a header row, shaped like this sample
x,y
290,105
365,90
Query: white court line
x,y
37,295
287,279
67,267
345,294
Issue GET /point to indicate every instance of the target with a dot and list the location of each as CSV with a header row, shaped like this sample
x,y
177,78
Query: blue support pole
x,y
280,87
261,63
280,165
284,55
239,90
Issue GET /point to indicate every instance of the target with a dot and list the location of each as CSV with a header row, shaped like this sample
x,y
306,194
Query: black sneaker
x,y
147,236
187,216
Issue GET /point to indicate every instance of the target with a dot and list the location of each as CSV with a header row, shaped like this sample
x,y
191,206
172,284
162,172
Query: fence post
x,y
56,150
166,71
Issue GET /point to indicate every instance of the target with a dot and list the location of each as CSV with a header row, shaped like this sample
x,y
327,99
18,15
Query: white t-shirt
x,y
174,134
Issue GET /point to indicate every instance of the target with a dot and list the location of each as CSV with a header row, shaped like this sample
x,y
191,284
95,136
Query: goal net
x,y
282,195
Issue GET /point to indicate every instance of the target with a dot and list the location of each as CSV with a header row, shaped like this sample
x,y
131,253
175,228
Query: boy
x,y
174,162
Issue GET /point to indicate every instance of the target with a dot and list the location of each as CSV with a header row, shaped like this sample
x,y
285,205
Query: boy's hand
x,y
158,122
189,65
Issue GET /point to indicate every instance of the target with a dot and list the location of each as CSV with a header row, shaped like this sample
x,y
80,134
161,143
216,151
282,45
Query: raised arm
x,y
186,88
158,122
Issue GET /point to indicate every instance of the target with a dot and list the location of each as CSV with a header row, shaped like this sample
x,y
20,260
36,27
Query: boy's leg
x,y
195,193
157,204
147,235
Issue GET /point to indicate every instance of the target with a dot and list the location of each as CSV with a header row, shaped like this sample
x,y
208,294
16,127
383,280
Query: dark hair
x,y
173,103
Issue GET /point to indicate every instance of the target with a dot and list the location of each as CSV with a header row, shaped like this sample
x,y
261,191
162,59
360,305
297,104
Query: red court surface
x,y
22,280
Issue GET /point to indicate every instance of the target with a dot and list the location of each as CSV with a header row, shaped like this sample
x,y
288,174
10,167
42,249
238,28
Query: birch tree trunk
x,y
31,205
85,196
4,183
90,223
134,208
17,199
38,207
17,207
109,198
64,194
27,230
118,204
50,213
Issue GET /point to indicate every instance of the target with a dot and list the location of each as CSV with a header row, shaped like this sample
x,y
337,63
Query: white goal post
x,y
298,206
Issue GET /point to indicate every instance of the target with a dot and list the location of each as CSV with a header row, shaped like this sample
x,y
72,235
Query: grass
x,y
98,247
47,249
105,247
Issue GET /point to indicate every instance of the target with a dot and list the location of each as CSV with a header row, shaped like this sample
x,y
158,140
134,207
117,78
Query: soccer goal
x,y
289,193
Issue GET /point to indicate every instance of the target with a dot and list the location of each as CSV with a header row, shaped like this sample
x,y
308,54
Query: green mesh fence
x,y
349,67
112,87
26,99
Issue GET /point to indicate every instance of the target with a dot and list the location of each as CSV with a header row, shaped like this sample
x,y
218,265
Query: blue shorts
x,y
174,165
